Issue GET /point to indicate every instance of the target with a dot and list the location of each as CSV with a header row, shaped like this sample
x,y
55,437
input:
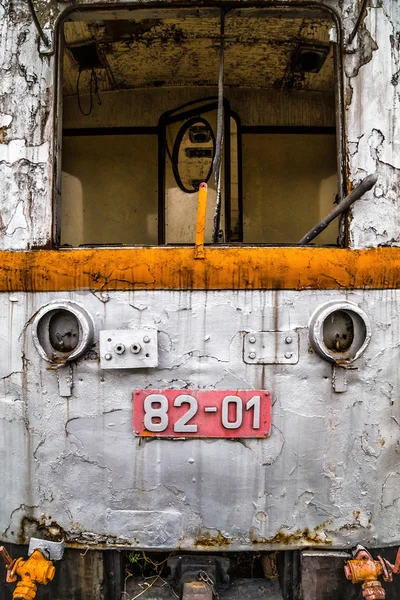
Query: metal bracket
x,y
47,49
339,378
50,550
271,348
128,349
65,381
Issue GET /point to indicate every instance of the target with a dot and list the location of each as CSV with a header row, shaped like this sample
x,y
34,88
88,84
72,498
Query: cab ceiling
x,y
154,48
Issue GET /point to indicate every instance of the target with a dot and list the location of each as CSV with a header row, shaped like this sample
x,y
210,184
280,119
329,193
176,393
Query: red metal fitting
x,y
365,570
372,590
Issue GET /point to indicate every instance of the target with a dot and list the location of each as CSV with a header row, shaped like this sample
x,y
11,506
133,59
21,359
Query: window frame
x,y
131,8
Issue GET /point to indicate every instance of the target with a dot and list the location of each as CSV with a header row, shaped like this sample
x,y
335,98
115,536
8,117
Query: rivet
x,y
288,340
252,339
108,356
146,339
288,354
252,355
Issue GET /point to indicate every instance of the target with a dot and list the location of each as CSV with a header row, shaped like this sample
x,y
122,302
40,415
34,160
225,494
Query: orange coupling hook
x,y
36,569
365,570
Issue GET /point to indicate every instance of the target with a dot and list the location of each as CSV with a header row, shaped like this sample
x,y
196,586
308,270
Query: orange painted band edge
x,y
224,268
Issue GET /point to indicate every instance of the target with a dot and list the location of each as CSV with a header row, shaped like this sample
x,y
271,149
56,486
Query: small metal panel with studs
x,y
128,349
271,348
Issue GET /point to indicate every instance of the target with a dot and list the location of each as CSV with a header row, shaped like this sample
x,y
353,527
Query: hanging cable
x,y
40,31
217,162
92,82
358,23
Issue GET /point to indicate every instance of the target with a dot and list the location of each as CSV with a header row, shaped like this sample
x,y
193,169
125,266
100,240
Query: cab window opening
x,y
140,126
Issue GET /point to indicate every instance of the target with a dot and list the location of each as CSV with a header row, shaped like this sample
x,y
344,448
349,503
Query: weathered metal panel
x,y
328,474
26,111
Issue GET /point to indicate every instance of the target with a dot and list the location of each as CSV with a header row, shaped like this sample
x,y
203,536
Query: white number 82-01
x,y
156,417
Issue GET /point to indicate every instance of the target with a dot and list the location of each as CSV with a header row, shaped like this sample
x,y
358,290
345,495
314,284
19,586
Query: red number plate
x,y
202,413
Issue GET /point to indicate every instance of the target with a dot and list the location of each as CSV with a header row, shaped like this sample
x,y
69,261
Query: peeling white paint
x,y
18,150
5,120
300,477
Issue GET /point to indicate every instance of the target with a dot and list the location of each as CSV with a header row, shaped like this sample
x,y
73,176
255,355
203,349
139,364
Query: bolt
x,y
252,339
288,340
119,348
288,354
108,356
135,348
146,339
252,355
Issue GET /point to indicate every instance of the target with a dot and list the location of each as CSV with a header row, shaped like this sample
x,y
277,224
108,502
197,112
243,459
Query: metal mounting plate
x,y
128,349
271,348
50,550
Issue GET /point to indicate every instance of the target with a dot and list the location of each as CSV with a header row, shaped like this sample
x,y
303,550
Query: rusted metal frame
x,y
340,126
94,131
217,162
55,187
227,173
287,129
38,26
240,175
161,153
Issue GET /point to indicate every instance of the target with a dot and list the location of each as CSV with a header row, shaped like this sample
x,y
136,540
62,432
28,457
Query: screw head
x,y
252,355
252,339
108,356
288,354
288,340
146,339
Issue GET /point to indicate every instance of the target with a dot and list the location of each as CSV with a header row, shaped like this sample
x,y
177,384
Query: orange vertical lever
x,y
201,222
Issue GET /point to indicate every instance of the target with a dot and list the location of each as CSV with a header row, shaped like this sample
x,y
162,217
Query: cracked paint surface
x,y
327,475
371,66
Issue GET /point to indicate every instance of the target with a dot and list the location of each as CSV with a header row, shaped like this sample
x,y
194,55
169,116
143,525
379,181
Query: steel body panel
x,y
328,475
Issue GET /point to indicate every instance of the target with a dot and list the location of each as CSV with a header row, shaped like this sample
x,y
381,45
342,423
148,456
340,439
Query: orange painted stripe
x,y
223,268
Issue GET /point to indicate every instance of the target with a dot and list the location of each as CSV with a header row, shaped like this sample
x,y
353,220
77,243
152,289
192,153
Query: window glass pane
x,y
144,74
109,190
289,183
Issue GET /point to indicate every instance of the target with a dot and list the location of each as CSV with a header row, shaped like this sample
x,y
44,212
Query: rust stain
x,y
3,135
206,540
300,537
223,268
